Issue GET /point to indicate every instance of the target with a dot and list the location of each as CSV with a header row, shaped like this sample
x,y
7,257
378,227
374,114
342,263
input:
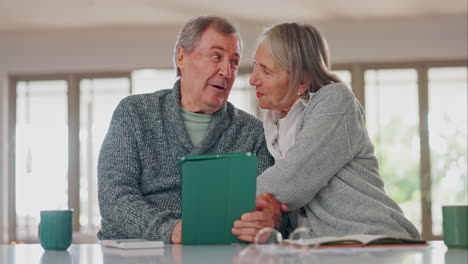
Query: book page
x,y
364,239
353,239
320,240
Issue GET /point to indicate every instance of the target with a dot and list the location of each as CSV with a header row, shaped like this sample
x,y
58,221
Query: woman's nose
x,y
253,79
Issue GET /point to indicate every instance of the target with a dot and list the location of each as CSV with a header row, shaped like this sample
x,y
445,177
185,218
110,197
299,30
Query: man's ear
x,y
180,57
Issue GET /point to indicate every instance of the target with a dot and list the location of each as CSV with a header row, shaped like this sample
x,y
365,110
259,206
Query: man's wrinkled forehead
x,y
219,36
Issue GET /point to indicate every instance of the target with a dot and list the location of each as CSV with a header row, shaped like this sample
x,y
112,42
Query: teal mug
x,y
455,226
55,229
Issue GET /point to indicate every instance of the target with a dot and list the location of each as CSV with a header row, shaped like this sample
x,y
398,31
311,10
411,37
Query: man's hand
x,y
176,236
268,214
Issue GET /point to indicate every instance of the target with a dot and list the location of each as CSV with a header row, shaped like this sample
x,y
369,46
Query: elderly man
x,y
138,172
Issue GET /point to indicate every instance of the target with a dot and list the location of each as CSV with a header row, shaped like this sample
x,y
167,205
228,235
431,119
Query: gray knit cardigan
x,y
138,169
331,174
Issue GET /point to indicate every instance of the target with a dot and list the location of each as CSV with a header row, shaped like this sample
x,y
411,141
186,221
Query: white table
x,y
435,253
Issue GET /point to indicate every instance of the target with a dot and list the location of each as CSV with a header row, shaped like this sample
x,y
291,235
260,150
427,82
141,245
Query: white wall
x,y
103,50
107,50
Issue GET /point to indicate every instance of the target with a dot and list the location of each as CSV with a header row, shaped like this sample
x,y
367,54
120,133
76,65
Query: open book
x,y
355,241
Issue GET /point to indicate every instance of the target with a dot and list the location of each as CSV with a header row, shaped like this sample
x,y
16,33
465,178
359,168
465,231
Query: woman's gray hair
x,y
302,51
191,33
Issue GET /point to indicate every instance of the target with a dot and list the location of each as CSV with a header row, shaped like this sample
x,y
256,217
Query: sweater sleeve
x,y
321,149
265,160
123,207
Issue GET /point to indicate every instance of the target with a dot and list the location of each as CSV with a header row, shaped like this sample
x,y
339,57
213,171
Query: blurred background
x,y
65,65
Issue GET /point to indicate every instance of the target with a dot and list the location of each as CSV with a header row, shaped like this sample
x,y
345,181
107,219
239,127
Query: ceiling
x,y
30,15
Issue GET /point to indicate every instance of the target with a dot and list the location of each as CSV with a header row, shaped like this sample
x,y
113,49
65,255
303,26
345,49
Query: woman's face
x,y
271,82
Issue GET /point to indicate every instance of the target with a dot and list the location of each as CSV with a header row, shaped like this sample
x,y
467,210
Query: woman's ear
x,y
180,57
304,86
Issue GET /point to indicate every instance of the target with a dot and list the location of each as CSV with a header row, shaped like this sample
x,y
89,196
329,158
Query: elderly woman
x,y
325,169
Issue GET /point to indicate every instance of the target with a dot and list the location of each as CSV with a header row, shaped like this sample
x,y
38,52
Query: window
x,y
417,119
44,163
345,76
41,152
394,130
242,94
98,99
400,100
447,139
151,80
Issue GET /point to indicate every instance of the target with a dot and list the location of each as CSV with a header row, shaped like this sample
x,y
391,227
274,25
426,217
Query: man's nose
x,y
225,69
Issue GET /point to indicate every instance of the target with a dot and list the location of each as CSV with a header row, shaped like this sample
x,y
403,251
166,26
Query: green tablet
x,y
216,191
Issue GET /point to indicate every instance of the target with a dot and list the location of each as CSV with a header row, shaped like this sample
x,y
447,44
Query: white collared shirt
x,y
280,133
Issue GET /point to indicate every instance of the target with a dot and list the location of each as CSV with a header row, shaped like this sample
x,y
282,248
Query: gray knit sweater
x,y
331,174
138,169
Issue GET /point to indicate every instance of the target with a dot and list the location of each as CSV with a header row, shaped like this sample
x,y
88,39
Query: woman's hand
x,y
268,214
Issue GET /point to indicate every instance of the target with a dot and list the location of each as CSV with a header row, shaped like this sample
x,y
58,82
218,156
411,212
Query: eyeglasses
x,y
269,235
270,241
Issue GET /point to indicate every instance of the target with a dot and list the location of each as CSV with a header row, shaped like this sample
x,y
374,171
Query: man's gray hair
x,y
190,34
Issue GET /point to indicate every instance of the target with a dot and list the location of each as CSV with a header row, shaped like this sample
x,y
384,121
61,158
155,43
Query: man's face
x,y
208,72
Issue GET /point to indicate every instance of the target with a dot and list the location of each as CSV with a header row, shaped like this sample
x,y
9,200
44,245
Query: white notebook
x,y
132,243
138,252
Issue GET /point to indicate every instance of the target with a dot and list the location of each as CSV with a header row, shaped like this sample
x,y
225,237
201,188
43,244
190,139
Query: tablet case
x,y
216,191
